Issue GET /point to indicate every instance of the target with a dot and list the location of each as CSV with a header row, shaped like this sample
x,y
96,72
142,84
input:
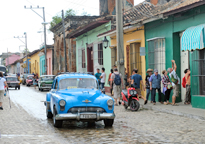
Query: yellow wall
x,y
35,66
133,37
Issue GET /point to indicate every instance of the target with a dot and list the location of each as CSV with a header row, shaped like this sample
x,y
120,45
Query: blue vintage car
x,y
77,97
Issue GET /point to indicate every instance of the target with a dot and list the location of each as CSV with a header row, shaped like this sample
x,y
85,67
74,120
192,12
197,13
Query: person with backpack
x,y
136,80
187,86
117,82
2,89
175,82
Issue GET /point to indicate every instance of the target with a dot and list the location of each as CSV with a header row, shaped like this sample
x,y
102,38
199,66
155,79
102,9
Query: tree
x,y
24,51
84,13
58,18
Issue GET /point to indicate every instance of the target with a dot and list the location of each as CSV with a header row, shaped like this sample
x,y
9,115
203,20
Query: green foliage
x,y
24,51
58,18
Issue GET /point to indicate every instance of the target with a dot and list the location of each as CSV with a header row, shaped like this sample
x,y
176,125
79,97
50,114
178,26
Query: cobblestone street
x,y
26,122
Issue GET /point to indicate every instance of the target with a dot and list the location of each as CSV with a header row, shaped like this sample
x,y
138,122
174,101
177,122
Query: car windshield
x,y
47,78
11,79
30,77
70,83
3,69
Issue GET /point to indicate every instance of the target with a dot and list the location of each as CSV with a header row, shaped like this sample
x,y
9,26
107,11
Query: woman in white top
x,y
2,90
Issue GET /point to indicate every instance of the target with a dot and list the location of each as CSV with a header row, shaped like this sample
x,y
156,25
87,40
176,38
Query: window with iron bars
x,y
113,56
156,54
198,73
100,54
83,58
135,59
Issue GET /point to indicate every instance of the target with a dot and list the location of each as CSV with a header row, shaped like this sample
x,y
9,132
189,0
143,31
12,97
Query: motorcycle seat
x,y
124,92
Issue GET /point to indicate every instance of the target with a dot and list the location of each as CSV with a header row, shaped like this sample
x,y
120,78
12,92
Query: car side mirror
x,y
53,90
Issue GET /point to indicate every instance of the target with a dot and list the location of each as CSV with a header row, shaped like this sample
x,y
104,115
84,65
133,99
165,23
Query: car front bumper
x,y
70,116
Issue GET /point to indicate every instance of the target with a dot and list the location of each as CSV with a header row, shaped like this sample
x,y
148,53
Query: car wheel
x,y
108,122
15,88
56,123
41,89
134,105
48,114
19,88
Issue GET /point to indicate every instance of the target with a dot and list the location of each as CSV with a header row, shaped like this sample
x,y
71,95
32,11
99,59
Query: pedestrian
x,y
110,81
97,75
175,82
188,87
166,87
149,72
155,84
114,67
2,89
34,81
136,80
103,78
116,82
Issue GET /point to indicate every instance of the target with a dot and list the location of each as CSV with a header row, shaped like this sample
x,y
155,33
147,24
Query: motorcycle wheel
x,y
134,105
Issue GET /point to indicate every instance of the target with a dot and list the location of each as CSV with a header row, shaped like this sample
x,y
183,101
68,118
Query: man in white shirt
x,y
2,90
175,81
103,78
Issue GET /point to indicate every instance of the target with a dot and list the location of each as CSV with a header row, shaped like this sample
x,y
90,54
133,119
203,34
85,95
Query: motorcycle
x,y
130,98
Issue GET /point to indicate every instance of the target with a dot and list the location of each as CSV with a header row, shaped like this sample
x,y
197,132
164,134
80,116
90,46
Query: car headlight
x,y
110,102
62,103
135,92
131,92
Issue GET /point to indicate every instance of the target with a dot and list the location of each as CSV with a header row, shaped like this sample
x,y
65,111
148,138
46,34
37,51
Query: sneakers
x,y
145,102
1,108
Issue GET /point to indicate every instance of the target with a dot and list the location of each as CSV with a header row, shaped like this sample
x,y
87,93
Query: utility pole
x,y
64,43
120,44
44,23
26,48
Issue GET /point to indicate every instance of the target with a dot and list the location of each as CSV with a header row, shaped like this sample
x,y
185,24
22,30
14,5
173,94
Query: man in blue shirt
x,y
155,84
136,80
97,75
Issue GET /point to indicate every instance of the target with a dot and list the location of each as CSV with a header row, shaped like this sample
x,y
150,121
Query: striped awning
x,y
193,38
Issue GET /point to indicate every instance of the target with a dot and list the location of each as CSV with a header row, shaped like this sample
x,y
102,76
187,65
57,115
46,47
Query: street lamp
x,y
105,42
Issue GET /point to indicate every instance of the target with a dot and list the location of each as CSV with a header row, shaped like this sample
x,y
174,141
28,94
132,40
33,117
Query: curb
x,y
173,112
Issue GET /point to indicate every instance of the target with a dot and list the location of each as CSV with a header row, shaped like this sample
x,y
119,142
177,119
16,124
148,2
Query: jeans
x,y
188,93
153,93
148,92
102,85
167,95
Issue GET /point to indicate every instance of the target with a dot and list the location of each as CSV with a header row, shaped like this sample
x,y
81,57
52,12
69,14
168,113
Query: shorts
x,y
176,90
116,90
1,95
138,90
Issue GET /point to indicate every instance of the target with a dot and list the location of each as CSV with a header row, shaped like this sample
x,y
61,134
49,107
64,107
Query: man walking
x,y
103,78
149,71
188,87
97,75
175,82
2,90
116,79
155,84
136,80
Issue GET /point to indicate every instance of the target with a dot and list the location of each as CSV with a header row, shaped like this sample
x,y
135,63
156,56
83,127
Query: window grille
x,y
135,59
198,73
83,58
100,54
113,56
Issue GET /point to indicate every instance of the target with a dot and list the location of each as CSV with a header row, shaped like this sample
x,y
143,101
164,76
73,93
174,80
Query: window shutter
x,y
79,60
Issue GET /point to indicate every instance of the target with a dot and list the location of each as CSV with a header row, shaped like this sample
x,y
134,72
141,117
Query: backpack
x,y
184,82
175,81
117,79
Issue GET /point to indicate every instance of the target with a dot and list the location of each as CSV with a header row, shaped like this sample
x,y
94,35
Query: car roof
x,y
46,75
29,75
76,75
11,76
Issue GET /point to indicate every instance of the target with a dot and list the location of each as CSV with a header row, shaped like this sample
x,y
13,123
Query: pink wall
x,y
12,59
49,62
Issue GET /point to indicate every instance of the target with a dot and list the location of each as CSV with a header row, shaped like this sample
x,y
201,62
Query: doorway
x,y
90,59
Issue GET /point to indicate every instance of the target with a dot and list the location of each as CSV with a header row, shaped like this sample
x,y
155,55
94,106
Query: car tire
x,y
19,88
42,90
15,88
108,122
48,114
134,105
56,123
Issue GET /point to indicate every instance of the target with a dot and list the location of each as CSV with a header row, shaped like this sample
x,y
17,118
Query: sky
x,y
15,20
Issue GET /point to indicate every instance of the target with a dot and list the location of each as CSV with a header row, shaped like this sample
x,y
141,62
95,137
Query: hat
x,y
155,70
149,70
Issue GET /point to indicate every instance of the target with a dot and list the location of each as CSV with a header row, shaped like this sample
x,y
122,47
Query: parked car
x,y
10,74
77,97
45,82
29,80
3,70
13,82
24,78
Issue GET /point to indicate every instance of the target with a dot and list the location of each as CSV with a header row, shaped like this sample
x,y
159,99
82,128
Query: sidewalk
x,y
181,110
